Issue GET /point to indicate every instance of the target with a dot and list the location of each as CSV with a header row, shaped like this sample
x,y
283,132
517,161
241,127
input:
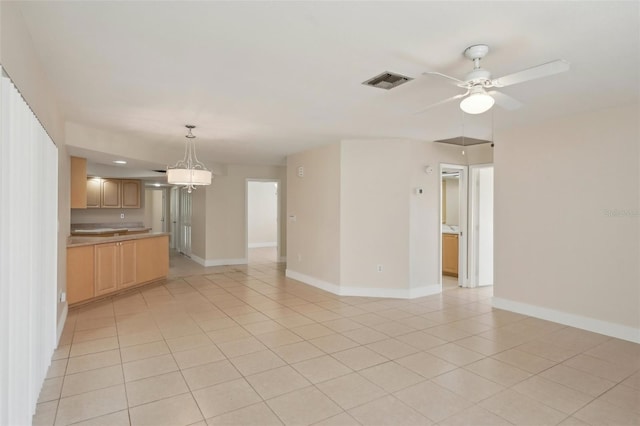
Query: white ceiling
x,y
261,80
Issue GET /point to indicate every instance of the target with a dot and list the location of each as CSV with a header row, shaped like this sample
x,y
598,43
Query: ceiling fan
x,y
476,99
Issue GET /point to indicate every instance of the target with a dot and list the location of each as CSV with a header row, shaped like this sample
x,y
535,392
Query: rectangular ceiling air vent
x,y
387,80
463,141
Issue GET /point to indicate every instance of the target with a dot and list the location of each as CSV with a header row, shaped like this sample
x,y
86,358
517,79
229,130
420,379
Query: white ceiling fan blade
x,y
505,101
458,82
453,98
544,70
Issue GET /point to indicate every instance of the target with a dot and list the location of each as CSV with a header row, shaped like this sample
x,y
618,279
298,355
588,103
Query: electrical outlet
x,y
121,215
63,297
379,268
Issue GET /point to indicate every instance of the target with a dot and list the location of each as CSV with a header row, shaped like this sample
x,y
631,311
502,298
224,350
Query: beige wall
x,y
313,239
19,60
219,214
374,213
108,216
556,247
111,215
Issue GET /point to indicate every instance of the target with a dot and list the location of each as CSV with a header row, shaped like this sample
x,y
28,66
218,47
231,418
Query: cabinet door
x,y
78,183
153,258
80,274
450,254
110,194
106,266
126,264
94,187
161,254
130,194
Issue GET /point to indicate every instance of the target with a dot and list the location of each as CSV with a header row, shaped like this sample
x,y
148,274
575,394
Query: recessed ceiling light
x,y
120,162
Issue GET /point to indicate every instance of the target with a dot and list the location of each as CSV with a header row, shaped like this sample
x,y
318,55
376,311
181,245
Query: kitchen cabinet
x,y
101,269
153,258
113,193
110,195
130,191
78,183
80,274
115,266
450,254
94,189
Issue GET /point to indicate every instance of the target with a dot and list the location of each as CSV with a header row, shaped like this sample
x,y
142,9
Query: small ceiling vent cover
x,y
387,80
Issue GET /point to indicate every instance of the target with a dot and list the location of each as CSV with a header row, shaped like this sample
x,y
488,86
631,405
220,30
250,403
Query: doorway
x,y
156,208
263,220
453,225
180,221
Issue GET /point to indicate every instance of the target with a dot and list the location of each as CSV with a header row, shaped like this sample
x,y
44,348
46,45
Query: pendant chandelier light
x,y
189,172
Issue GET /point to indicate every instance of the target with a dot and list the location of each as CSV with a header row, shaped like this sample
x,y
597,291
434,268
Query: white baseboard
x,y
389,293
578,321
312,281
61,322
260,245
218,262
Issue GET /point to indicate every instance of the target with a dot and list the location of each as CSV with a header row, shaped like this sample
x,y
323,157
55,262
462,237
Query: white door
x,y
157,210
481,239
184,220
174,208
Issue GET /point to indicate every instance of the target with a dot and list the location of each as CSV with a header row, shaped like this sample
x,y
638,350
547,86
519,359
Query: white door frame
x,y
463,280
246,214
174,213
474,226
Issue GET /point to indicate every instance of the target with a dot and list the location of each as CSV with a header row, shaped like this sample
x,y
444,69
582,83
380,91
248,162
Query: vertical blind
x,y
28,255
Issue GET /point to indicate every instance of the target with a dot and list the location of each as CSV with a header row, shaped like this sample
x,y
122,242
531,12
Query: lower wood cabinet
x,y
115,266
101,269
153,258
450,254
80,274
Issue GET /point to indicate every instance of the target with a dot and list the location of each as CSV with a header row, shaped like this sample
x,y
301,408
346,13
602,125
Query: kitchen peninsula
x,y
113,260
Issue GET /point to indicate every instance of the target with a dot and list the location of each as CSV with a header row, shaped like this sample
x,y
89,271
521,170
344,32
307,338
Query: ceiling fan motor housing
x,y
478,76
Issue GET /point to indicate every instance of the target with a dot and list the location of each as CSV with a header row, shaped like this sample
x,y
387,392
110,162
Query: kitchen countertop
x,y
107,230
78,241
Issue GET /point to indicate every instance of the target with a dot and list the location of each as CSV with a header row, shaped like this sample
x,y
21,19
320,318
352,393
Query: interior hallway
x,y
245,345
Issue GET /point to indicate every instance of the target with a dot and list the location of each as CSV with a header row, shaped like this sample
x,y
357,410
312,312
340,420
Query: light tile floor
x,y
244,345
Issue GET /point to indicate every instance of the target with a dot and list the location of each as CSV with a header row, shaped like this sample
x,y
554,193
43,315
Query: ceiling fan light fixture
x,y
477,102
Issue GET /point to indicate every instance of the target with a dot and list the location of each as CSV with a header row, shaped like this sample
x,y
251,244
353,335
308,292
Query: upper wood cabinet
x,y
78,183
130,194
113,193
94,189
